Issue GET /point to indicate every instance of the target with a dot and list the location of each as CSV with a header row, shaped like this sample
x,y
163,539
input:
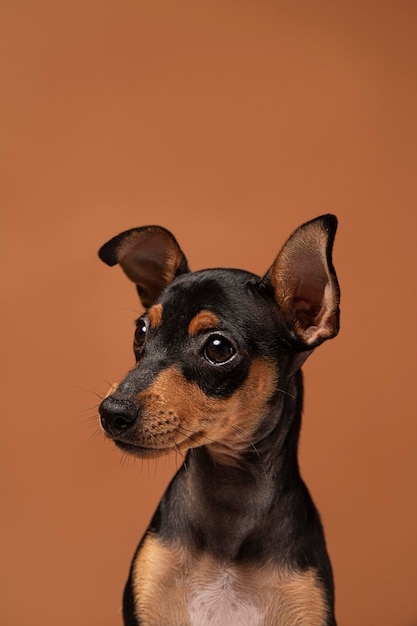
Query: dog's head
x,y
215,347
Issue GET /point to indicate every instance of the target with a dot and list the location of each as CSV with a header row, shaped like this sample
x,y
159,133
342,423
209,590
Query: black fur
x,y
259,509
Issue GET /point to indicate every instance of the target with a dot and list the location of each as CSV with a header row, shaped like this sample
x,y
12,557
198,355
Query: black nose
x,y
117,415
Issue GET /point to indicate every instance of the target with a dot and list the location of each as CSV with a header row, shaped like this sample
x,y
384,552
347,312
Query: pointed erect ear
x,y
150,256
305,283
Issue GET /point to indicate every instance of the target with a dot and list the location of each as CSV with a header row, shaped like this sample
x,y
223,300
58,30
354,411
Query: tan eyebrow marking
x,y
155,315
205,320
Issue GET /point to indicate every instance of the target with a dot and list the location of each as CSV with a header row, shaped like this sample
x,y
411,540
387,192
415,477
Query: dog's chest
x,y
219,598
174,587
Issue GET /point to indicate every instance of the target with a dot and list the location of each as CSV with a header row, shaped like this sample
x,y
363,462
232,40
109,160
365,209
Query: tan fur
x,y
175,587
155,315
203,321
188,418
112,389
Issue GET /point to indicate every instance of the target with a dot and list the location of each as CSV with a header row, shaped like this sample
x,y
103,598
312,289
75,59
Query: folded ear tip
x,y
107,253
150,256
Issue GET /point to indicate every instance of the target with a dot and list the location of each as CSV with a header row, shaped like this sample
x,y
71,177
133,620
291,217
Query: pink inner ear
x,y
315,316
305,284
305,311
301,305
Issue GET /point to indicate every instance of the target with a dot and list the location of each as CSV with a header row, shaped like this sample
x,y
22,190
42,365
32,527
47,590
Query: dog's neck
x,y
225,503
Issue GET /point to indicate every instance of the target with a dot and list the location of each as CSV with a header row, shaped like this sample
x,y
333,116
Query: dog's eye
x,y
140,335
218,350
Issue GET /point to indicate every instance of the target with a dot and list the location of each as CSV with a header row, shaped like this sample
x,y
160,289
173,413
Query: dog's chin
x,y
182,447
140,451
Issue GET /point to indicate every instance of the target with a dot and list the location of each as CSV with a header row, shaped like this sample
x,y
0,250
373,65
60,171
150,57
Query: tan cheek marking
x,y
178,414
205,320
175,411
155,315
245,411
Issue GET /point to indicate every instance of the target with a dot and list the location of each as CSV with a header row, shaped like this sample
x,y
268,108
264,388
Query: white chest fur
x,y
221,600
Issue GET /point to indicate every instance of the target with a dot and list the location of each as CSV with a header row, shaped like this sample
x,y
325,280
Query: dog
x,y
236,539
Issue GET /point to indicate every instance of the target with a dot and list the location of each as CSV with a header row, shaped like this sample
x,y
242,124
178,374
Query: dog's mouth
x,y
160,448
141,451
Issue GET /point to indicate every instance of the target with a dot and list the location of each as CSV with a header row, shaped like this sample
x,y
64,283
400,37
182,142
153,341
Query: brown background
x,y
230,123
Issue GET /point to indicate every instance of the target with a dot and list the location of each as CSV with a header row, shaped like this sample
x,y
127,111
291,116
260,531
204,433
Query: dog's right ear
x,y
150,256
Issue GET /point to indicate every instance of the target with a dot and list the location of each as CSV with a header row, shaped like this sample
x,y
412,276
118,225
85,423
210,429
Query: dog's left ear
x,y
150,256
305,283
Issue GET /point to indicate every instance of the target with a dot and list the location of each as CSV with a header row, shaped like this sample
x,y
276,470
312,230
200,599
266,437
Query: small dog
x,y
236,539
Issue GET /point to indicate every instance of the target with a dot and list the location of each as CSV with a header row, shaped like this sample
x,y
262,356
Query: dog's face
x,y
207,357
214,348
